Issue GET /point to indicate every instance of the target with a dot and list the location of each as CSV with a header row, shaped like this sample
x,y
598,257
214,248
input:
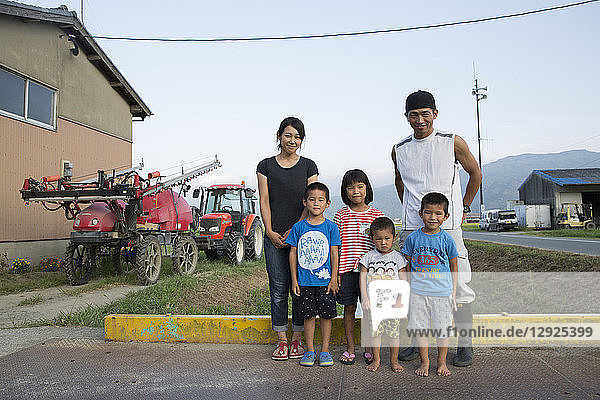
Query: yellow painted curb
x,y
257,329
204,329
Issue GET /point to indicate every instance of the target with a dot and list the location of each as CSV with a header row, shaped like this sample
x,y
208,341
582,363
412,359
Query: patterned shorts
x,y
391,327
430,312
314,300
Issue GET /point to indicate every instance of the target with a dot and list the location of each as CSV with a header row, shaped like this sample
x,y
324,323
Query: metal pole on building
x,y
480,93
82,11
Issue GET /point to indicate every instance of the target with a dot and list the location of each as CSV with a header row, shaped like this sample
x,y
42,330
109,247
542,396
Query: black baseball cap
x,y
420,99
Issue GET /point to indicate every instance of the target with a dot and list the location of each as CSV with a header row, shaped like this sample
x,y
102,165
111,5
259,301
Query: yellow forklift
x,y
575,215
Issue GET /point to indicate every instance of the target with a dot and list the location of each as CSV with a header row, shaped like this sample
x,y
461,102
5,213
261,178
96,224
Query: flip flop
x,y
368,358
347,358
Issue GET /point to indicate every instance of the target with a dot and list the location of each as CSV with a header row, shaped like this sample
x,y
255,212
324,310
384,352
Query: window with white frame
x,y
27,100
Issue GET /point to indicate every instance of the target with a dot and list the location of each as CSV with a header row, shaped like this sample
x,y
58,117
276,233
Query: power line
x,y
347,34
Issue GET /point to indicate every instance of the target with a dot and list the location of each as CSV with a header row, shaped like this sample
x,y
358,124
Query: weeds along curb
x,y
257,329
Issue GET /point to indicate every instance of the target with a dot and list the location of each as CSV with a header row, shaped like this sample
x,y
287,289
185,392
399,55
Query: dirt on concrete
x,y
52,301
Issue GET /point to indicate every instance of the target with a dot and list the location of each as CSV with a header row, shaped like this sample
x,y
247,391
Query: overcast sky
x,y
228,98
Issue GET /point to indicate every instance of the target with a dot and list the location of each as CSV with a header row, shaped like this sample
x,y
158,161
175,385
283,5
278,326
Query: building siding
x,y
30,151
40,51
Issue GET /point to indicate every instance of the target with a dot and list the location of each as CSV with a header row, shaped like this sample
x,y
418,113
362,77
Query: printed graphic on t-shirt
x,y
363,229
427,263
313,251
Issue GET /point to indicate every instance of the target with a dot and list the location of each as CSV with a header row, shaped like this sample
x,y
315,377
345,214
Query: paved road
x,y
580,246
83,367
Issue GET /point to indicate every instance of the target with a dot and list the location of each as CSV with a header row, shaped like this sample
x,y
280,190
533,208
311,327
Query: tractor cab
x,y
228,224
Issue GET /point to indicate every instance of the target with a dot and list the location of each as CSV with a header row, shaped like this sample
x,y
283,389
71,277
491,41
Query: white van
x,y
484,221
503,220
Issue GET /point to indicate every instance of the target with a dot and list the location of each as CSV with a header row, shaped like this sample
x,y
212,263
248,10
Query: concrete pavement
x,y
81,367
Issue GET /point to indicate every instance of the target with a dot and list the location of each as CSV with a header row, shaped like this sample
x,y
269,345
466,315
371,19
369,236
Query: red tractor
x,y
136,220
229,225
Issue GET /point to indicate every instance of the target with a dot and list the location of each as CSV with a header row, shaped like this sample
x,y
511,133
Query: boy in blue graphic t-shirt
x,y
314,245
432,257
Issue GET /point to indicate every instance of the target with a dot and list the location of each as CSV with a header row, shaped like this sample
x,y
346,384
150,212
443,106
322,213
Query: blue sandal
x,y
308,359
325,359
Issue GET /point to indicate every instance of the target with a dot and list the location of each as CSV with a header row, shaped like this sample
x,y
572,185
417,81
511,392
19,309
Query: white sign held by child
x,y
383,296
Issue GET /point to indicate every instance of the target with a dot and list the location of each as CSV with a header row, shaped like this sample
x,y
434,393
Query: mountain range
x,y
501,179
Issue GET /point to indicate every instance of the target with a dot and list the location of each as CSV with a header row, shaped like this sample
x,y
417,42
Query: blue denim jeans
x,y
280,284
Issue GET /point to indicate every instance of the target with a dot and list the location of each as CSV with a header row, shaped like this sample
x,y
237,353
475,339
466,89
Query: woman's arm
x,y
304,214
265,212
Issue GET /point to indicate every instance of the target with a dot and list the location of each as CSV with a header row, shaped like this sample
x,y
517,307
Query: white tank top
x,y
428,165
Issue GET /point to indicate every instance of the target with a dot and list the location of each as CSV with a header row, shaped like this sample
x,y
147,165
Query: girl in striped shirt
x,y
353,220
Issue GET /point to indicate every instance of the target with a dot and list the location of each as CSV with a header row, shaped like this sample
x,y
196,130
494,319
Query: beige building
x,y
61,99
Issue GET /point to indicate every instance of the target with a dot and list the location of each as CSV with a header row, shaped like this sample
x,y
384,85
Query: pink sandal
x,y
281,352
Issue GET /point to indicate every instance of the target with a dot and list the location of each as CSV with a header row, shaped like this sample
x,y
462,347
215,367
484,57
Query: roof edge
x,y
71,25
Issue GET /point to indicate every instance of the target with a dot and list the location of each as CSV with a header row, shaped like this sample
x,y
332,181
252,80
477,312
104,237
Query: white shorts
x,y
430,312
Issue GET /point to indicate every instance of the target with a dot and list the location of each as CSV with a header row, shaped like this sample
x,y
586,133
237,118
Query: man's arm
x,y
454,274
470,165
398,179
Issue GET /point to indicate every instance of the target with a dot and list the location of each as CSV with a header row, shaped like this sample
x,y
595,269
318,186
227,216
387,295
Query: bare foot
x,y
373,366
423,369
396,367
443,370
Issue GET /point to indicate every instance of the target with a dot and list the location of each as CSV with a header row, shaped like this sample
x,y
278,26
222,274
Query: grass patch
x,y
570,233
470,227
30,301
217,288
17,283
486,257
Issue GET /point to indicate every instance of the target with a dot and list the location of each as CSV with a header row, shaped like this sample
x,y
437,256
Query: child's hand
x,y
332,287
295,288
398,303
366,304
454,301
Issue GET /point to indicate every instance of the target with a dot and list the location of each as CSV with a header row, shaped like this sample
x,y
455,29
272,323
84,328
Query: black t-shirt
x,y
286,188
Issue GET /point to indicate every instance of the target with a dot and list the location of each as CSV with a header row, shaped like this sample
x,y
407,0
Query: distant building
x,y
558,186
61,100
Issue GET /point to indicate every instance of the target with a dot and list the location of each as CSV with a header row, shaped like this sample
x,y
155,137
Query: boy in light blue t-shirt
x,y
432,257
314,260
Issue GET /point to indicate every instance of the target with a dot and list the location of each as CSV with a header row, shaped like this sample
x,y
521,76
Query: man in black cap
x,y
428,161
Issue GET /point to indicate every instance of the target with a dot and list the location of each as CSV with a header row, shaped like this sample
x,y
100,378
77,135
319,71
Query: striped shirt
x,y
354,232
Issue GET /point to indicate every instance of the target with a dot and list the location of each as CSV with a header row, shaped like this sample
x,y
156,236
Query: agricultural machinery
x,y
134,219
229,226
576,215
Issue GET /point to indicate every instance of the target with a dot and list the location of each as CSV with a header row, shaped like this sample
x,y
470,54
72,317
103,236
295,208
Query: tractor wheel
x,y
148,260
254,241
211,255
124,258
590,225
185,255
79,264
235,248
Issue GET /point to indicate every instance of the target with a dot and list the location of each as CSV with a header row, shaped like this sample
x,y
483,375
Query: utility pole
x,y
480,93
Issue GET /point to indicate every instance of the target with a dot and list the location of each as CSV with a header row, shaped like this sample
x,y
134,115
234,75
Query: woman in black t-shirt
x,y
281,183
